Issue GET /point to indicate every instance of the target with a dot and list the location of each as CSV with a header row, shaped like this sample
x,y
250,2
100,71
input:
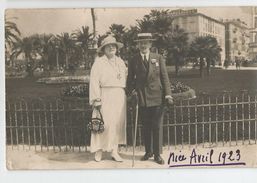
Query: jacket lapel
x,y
151,65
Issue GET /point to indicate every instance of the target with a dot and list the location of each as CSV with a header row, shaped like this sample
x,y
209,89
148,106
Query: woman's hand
x,y
97,104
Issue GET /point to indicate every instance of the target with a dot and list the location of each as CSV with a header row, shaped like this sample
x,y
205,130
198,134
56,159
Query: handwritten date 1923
x,y
231,156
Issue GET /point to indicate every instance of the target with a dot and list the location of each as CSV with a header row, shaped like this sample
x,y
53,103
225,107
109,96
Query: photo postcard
x,y
115,88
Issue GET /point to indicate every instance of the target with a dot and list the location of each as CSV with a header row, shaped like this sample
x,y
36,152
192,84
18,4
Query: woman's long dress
x,y
107,82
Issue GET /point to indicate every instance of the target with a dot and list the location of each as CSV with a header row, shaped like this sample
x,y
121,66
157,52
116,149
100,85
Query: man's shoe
x,y
158,159
146,156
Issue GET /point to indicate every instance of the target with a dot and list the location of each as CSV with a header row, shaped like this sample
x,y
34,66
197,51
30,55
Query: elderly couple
x,y
147,78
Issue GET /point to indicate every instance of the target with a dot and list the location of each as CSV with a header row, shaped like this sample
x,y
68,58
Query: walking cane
x,y
135,132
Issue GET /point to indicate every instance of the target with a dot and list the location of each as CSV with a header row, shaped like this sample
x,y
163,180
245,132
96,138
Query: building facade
x,y
197,24
253,35
237,39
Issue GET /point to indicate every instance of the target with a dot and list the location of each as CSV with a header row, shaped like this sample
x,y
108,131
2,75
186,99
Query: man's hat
x,y
109,40
144,37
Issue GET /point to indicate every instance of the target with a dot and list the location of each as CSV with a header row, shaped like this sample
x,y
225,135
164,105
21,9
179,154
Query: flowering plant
x,y
178,87
76,91
181,91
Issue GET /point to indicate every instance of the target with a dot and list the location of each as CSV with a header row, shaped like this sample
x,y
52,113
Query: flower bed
x,y
182,92
65,79
178,89
76,91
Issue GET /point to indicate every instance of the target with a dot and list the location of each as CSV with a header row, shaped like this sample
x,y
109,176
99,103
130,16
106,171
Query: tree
x,y
12,33
213,52
45,46
26,46
66,46
205,48
82,38
177,46
130,46
118,30
159,23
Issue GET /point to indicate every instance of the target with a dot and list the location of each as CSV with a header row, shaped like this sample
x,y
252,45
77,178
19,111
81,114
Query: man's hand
x,y
134,93
169,100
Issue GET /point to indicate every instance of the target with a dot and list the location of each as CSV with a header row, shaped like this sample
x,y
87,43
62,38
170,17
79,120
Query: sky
x,y
56,21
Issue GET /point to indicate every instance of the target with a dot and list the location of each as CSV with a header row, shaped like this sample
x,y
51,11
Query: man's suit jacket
x,y
152,82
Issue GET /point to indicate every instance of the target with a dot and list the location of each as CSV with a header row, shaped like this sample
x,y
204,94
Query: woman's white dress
x,y
107,82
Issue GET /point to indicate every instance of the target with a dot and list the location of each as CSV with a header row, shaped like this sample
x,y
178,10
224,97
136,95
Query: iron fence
x,y
61,123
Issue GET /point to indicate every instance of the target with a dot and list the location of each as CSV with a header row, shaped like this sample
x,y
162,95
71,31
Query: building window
x,y
235,30
255,22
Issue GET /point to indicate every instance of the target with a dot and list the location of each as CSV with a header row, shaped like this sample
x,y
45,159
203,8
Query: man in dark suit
x,y
148,79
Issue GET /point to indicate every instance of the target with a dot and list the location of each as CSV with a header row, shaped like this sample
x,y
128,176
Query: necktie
x,y
145,62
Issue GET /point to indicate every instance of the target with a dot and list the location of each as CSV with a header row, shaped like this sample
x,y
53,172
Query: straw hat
x,y
144,37
109,40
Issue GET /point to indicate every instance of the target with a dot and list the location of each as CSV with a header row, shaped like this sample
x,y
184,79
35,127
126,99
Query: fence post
x,y
223,117
209,120
203,112
230,111
22,124
34,125
249,117
10,120
195,116
255,116
175,126
243,115
216,118
236,119
52,124
188,120
28,124
16,124
182,121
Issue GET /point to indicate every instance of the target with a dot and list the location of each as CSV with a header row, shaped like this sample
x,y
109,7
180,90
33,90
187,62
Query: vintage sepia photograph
x,y
119,88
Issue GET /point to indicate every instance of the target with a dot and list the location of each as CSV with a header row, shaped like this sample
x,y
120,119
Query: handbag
x,y
96,125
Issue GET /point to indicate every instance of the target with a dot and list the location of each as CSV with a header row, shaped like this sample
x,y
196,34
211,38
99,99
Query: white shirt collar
x,y
146,54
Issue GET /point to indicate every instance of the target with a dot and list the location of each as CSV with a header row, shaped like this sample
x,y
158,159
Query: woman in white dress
x,y
107,93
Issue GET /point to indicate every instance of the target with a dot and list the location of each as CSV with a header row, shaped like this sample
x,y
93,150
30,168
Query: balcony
x,y
253,44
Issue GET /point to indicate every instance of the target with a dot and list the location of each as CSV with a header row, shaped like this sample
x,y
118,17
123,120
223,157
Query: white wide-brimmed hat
x,y
109,40
144,37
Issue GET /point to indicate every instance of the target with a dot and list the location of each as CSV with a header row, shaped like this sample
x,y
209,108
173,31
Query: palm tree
x,y
66,46
118,30
198,49
213,52
130,47
205,48
12,33
82,38
177,46
159,23
26,46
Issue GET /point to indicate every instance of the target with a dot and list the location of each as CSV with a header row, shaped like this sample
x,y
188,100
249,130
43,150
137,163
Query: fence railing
x,y
61,123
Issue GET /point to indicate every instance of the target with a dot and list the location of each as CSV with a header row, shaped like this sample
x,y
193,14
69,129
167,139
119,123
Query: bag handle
x,y
99,111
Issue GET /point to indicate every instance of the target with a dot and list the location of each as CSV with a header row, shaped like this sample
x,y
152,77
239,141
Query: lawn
x,y
73,121
218,81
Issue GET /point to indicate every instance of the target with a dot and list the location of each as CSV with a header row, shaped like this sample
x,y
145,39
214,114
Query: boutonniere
x,y
154,61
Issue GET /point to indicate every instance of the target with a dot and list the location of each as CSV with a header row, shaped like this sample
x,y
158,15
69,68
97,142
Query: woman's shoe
x,y
98,155
116,157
